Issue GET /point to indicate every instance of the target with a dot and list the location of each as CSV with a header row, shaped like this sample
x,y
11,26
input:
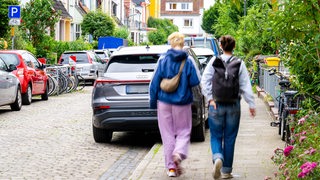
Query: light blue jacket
x,y
244,82
167,67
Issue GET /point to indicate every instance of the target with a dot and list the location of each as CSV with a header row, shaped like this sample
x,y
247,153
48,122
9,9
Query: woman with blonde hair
x,y
174,108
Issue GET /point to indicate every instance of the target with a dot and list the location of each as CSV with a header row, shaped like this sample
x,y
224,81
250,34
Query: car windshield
x,y
200,43
102,55
132,63
81,57
10,58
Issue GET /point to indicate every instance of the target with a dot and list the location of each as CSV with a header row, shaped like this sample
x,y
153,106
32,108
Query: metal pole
x,y
245,11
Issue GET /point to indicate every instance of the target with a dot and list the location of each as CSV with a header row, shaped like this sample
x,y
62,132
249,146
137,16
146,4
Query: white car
x,y
104,54
204,55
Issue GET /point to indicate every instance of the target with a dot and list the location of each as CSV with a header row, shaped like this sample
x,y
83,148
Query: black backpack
x,y
225,84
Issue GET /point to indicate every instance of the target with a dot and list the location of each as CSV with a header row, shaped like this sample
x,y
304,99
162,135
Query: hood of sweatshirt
x,y
176,54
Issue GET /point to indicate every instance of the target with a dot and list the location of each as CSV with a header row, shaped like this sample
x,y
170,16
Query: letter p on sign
x,y
14,12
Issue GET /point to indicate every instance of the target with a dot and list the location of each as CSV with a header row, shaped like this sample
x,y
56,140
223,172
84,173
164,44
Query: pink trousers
x,y
175,123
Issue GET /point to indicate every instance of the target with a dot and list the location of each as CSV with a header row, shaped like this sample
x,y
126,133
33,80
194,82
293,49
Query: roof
x,y
154,49
202,51
58,6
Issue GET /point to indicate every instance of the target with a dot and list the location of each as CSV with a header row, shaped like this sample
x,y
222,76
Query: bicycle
x,y
288,105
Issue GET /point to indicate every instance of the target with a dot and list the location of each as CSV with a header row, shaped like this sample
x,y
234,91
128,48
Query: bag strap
x,y
181,66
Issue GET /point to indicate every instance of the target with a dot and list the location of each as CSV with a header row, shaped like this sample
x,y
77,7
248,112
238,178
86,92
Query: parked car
x,y
204,42
104,54
30,72
10,89
120,99
88,64
204,55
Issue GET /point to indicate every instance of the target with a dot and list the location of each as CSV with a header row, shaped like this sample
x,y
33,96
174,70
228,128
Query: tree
x,y
209,18
164,28
97,24
296,28
4,19
121,32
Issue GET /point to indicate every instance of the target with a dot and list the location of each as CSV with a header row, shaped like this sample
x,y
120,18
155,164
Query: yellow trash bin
x,y
272,61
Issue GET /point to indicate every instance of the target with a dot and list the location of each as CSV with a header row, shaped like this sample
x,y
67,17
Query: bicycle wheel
x,y
287,134
81,82
51,86
70,84
283,124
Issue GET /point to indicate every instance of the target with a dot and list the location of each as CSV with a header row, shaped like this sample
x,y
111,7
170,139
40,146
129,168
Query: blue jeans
x,y
224,125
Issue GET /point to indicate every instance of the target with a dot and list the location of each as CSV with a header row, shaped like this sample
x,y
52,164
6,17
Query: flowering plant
x,y
300,159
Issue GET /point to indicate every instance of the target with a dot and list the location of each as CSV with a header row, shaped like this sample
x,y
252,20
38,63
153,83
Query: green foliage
x,y
79,44
225,23
255,31
209,18
164,29
121,32
157,37
296,28
37,17
4,19
97,24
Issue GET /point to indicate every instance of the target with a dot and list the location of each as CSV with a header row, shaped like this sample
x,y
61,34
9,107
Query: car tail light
x,y
101,107
101,82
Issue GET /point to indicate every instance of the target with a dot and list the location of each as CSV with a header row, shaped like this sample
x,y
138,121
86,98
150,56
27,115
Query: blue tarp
x,y
108,42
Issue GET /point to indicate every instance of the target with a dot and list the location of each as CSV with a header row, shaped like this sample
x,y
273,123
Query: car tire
x,y
27,97
45,96
101,135
198,132
17,104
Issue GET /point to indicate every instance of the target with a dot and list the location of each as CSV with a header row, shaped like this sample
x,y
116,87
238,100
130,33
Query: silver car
x,y
88,64
120,99
10,89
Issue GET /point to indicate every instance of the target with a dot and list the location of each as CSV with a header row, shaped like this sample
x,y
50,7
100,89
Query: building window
x,y
78,31
173,6
187,23
179,6
184,6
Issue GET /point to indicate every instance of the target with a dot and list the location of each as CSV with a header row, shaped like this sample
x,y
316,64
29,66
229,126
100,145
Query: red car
x,y
30,72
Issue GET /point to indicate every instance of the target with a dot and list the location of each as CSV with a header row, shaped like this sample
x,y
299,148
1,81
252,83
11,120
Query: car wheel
x,y
101,135
27,97
45,95
198,132
16,105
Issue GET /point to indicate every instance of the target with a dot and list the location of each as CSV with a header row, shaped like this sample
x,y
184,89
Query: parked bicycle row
x,y
63,79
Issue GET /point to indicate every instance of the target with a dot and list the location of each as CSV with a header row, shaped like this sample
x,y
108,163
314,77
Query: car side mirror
x,y
12,67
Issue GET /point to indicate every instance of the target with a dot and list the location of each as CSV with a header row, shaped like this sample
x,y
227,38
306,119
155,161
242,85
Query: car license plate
x,y
137,89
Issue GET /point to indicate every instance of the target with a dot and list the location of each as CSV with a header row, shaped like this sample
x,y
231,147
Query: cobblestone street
x,y
53,140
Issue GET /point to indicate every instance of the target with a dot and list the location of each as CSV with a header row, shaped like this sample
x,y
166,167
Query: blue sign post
x,y
14,12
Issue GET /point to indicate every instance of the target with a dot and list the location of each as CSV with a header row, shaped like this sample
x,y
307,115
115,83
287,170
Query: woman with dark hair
x,y
223,82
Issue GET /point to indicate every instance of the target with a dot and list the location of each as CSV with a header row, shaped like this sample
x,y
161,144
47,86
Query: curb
x,y
139,171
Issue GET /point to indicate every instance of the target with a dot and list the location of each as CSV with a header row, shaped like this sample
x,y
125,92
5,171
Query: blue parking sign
x,y
14,12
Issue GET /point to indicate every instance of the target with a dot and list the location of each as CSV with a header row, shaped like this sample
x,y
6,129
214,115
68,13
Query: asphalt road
x,y
53,140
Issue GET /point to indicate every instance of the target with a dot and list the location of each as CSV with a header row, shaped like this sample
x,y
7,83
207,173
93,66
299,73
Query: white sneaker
x,y
216,168
171,173
226,176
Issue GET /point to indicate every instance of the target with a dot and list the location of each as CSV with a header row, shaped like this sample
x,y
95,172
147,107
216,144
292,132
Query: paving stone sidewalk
x,y
254,148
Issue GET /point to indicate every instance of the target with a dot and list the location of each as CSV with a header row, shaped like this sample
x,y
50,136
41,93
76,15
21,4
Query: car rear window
x,y
132,63
81,57
10,58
